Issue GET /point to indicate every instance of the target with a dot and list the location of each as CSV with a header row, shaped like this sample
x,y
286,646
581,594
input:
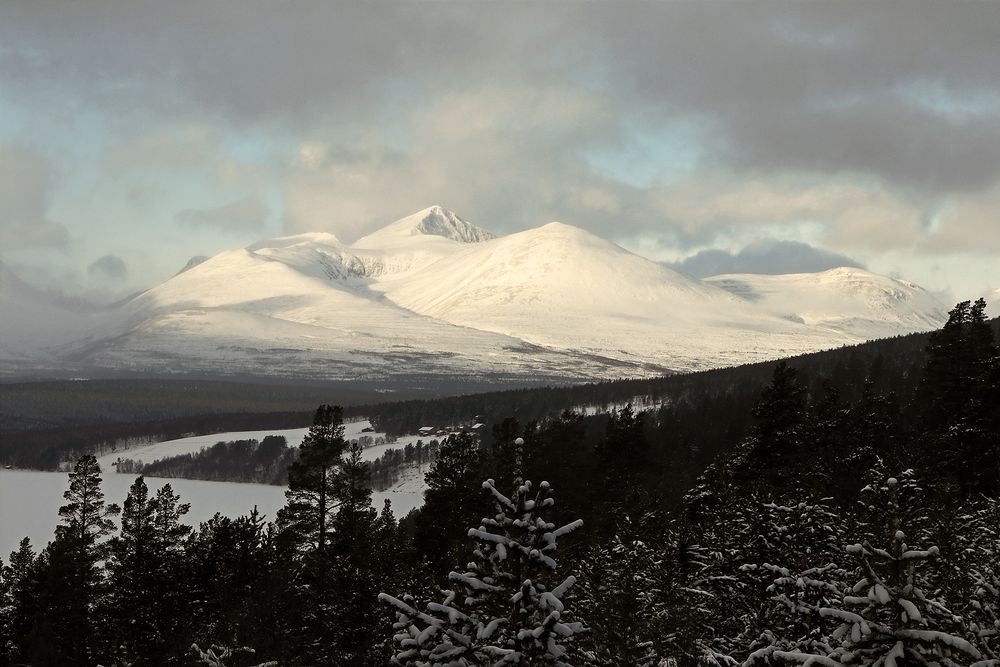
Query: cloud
x,y
671,125
471,151
768,257
26,184
109,266
173,147
824,87
848,215
969,223
245,214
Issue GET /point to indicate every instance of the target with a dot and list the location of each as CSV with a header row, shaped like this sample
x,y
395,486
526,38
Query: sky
x,y
715,136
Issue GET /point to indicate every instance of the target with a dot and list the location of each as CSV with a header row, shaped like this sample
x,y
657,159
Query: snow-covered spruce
x,y
792,536
980,550
887,619
504,608
218,656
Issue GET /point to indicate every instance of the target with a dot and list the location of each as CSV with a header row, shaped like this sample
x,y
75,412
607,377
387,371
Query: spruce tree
x,y
505,608
777,441
240,590
132,603
618,598
888,617
146,605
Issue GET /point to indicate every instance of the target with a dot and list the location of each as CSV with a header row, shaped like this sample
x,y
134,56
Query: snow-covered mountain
x,y
433,295
847,301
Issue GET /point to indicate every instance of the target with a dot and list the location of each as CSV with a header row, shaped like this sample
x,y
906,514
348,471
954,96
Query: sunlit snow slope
x,y
847,301
433,295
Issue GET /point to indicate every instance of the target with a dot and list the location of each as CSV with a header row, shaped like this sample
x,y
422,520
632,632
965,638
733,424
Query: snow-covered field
x,y
30,501
294,436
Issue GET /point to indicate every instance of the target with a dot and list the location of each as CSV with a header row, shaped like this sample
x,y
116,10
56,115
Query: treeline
x,y
52,404
386,470
46,449
891,363
847,524
263,462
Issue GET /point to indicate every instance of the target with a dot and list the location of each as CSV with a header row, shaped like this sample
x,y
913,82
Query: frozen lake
x,y
30,501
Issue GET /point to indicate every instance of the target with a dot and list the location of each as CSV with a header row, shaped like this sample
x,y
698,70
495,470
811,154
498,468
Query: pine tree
x,y
352,602
64,628
18,592
453,490
505,610
132,604
625,442
312,479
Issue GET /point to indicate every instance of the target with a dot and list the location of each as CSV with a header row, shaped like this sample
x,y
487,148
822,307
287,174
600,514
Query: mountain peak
x,y
431,221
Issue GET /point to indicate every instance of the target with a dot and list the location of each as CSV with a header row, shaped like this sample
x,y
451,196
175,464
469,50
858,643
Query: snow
x,y
432,221
431,294
410,482
194,444
852,302
30,501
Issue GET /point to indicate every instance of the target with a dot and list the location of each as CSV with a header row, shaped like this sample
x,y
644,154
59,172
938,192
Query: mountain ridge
x,y
432,294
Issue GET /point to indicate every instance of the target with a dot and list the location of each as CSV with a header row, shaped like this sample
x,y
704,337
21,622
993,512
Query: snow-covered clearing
x,y
30,501
294,436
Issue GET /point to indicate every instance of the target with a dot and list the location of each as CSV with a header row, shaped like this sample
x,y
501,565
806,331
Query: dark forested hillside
x,y
845,517
892,361
119,411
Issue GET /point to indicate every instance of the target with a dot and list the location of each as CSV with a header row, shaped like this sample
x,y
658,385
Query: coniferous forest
x,y
841,519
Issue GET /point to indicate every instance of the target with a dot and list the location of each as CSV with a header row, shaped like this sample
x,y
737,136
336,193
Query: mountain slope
x,y
432,295
562,287
298,306
848,301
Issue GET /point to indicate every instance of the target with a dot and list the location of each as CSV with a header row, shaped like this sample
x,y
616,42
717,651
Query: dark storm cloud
x,y
828,86
109,266
769,257
824,85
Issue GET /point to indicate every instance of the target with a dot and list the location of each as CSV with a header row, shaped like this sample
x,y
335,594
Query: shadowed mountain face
x,y
433,295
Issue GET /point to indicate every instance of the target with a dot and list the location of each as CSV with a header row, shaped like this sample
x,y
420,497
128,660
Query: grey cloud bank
x,y
110,266
871,129
769,257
